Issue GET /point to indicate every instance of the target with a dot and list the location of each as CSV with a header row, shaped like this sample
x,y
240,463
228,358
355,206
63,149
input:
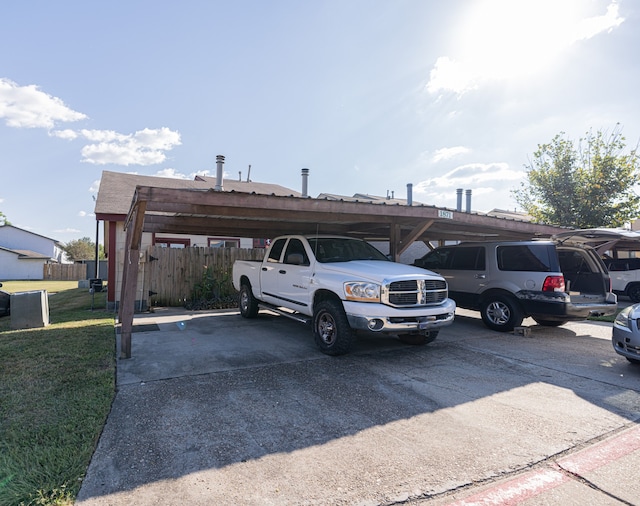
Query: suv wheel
x,y
501,313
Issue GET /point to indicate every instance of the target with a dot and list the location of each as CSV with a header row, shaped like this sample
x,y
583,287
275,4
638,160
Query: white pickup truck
x,y
341,285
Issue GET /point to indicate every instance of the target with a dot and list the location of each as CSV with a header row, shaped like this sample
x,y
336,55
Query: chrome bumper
x,y
401,324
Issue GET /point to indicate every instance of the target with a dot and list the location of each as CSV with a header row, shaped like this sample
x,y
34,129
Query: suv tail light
x,y
553,284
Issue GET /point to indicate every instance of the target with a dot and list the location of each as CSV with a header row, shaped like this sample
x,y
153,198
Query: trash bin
x,y
29,310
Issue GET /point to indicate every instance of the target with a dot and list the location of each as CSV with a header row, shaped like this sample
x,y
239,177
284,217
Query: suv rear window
x,y
527,257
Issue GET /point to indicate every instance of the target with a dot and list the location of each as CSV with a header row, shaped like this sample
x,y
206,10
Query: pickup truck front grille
x,y
414,292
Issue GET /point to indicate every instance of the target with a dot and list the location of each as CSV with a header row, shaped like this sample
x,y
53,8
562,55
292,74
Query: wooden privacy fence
x,y
172,276
64,272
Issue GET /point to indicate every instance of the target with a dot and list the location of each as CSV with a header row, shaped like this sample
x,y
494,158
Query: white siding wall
x,y
15,238
12,268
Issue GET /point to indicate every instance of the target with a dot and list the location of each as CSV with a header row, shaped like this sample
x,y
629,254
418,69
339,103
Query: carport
x,y
196,211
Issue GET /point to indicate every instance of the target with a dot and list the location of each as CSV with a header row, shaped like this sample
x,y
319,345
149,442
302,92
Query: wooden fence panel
x,y
175,275
64,272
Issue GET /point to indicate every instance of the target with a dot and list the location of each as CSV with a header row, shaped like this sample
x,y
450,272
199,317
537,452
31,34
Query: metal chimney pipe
x,y
305,182
468,195
459,197
219,164
409,194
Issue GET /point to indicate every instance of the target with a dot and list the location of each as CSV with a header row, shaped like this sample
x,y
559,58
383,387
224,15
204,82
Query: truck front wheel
x,y
331,329
247,302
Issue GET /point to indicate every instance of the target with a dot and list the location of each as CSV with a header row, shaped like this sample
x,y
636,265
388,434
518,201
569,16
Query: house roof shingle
x,y
117,189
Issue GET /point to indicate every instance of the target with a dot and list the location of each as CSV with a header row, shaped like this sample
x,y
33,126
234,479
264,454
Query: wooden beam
x,y
394,240
417,232
130,277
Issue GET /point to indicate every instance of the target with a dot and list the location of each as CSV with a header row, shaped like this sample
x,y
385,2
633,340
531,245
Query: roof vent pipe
x,y
468,195
409,194
459,196
219,164
305,182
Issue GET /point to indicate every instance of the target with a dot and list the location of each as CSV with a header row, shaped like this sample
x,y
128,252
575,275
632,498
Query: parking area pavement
x,y
216,409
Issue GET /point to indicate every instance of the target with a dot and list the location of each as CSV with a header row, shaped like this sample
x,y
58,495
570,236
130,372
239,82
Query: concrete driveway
x,y
216,409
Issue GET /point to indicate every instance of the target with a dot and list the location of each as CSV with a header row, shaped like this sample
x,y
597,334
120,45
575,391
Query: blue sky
x,y
368,94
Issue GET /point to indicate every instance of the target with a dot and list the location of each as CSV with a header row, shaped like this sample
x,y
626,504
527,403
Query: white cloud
x,y
448,153
171,173
591,27
502,39
144,147
64,134
67,231
449,75
95,186
473,175
28,107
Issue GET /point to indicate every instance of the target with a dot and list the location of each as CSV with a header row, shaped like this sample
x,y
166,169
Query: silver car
x,y
626,333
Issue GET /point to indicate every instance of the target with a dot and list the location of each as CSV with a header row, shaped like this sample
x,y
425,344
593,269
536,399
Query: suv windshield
x,y
340,249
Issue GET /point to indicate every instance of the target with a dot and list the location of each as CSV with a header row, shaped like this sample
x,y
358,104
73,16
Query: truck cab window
x,y
276,250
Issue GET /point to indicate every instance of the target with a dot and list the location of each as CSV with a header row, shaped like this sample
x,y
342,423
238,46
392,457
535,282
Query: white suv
x,y
508,281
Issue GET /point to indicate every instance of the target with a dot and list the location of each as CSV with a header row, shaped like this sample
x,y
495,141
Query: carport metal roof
x,y
205,212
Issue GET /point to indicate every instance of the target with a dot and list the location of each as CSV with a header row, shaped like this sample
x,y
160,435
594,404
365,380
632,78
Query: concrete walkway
x,y
216,409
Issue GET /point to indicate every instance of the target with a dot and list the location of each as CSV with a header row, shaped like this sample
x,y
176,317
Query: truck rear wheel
x,y
247,302
331,329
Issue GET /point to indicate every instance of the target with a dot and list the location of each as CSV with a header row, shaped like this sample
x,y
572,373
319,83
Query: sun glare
x,y
505,39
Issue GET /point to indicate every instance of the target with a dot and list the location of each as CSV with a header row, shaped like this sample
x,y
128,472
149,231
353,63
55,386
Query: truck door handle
x,y
282,271
264,269
481,276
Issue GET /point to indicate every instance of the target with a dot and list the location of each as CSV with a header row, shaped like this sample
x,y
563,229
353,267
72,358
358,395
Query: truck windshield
x,y
340,249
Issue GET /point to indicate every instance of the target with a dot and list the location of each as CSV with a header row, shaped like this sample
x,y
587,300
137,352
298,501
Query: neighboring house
x,y
114,200
23,254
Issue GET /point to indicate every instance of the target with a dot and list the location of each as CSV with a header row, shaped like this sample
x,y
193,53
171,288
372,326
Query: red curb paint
x,y
515,491
536,482
602,453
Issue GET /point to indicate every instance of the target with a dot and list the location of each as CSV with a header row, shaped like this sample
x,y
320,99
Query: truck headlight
x,y
363,292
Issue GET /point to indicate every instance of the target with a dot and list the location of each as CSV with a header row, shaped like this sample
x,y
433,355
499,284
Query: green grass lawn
x,y
27,286
56,388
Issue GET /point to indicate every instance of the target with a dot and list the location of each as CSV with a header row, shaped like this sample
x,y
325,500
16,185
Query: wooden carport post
x,y
394,241
134,226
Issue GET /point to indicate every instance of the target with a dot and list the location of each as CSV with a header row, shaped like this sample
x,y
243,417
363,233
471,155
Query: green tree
x,y
3,219
83,249
588,186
